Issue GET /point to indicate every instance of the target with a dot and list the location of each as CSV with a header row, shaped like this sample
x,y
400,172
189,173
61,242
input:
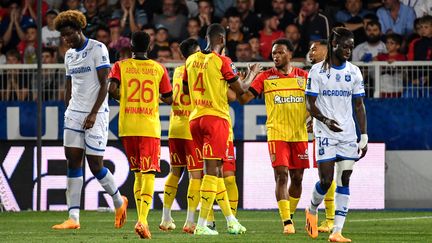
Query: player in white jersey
x,y
332,86
86,118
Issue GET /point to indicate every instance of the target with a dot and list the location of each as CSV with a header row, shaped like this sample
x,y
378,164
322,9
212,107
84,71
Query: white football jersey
x,y
334,90
82,65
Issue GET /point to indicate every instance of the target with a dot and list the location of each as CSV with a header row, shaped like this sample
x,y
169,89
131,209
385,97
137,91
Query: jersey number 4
x,y
199,84
141,91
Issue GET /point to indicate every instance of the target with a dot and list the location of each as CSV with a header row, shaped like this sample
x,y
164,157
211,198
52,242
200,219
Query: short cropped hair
x,y
70,18
284,41
215,30
188,46
140,41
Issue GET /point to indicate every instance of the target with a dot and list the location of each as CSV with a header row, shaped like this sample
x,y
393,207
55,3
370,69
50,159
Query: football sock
x,y
147,191
317,198
232,190
170,192
73,192
208,190
193,198
137,190
210,217
342,202
284,210
106,179
329,202
222,199
293,204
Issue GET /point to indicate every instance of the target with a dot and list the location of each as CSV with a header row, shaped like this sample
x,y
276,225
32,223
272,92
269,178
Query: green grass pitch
x,y
262,226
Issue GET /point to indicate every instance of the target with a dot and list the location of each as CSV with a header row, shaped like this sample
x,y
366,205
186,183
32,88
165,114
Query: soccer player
x,y
86,117
283,87
317,53
206,79
182,149
138,83
332,86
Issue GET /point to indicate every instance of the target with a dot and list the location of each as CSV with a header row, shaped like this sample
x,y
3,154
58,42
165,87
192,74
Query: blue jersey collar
x,y
84,46
342,66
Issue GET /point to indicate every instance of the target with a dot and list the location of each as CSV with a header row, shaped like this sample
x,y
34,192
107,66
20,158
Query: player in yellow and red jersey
x,y
206,79
283,87
183,151
138,83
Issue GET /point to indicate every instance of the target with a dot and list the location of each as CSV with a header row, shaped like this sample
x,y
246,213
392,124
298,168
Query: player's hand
x,y
254,68
309,125
89,121
363,145
332,125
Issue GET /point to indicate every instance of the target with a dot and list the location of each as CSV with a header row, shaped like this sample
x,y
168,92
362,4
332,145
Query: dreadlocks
x,y
336,35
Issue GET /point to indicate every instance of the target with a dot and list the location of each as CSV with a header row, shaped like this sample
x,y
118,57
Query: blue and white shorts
x,y
327,149
93,140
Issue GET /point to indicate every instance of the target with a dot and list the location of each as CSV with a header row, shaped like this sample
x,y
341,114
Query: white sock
x,y
317,198
202,222
106,179
230,218
341,203
166,214
73,196
190,217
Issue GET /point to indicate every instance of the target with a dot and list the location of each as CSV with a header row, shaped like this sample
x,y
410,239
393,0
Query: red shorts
x,y
143,153
210,134
183,152
229,163
294,155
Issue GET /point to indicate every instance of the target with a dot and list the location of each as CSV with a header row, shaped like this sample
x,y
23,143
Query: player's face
x,y
317,52
281,55
343,48
71,37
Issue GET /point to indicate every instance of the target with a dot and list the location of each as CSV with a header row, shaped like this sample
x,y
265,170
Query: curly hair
x,y
71,18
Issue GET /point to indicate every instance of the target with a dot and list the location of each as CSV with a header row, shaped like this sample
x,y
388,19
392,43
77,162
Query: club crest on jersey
x,y
104,58
338,77
347,77
300,81
233,67
321,151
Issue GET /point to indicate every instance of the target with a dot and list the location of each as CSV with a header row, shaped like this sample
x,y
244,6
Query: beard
x,y
373,39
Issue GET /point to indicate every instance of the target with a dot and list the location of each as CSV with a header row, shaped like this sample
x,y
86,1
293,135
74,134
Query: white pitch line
x,y
390,219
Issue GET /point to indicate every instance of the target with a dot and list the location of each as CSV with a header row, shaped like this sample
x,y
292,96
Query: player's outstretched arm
x,y
316,113
360,111
113,88
103,90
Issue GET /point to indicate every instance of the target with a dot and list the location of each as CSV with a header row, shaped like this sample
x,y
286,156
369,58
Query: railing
x,y
382,80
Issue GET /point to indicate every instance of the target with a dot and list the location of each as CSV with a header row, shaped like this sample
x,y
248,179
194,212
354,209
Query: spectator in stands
x,y
396,17
391,79
94,21
164,54
149,7
255,46
206,15
360,34
61,51
50,82
153,48
352,17
234,35
313,24
172,19
221,7
268,34
27,47
251,22
369,49
125,53
422,49
12,27
105,10
175,51
2,56
72,5
285,17
131,18
15,84
421,7
161,37
30,9
50,36
292,33
193,29
117,40
103,35
243,52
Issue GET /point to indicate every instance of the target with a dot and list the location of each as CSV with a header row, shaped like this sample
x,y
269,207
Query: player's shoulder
x,y
317,67
179,68
299,72
92,43
352,67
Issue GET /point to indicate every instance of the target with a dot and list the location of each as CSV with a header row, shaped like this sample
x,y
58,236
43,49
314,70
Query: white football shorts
x,y
93,140
327,149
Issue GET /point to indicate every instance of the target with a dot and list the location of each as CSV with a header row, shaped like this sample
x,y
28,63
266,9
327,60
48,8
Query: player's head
x,y
189,47
318,51
216,34
70,24
341,44
282,50
140,42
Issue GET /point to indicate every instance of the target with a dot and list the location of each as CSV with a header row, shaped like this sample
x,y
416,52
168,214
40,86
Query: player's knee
x,y
296,177
325,183
346,175
281,178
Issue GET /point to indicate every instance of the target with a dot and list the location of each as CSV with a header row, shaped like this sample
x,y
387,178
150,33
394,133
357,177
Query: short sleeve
x,y
67,73
228,69
257,86
101,56
165,84
358,89
312,82
115,72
